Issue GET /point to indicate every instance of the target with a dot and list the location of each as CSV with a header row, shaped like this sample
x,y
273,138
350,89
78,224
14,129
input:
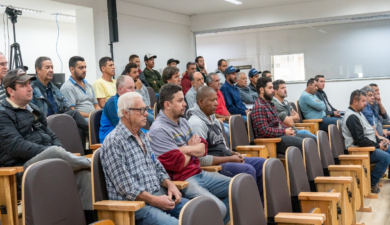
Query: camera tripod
x,y
15,57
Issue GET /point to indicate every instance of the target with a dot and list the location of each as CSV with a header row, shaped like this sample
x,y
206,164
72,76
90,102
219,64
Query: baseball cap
x,y
173,60
253,72
231,69
16,76
148,56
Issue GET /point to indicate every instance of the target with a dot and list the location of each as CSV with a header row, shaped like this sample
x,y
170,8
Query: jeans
x,y
382,160
150,116
252,166
226,126
288,141
153,215
213,185
81,168
326,121
244,117
307,133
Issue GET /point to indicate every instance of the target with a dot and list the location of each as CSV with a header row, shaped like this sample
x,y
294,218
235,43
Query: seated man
x,y
132,172
152,76
207,126
104,87
222,65
132,71
247,95
185,81
172,62
358,132
267,124
313,108
178,149
77,90
196,79
200,66
266,73
25,138
3,71
330,110
232,94
171,75
253,76
135,59
378,106
285,112
110,118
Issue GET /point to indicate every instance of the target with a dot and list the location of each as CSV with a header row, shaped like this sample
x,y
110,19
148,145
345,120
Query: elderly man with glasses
x,y
3,71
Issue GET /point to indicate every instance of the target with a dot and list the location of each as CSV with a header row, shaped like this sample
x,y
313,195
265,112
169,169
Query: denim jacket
x,y
38,96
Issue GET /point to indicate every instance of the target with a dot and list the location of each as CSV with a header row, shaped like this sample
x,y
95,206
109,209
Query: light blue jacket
x,y
311,106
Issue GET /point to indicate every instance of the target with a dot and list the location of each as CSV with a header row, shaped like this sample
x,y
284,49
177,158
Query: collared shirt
x,y
13,104
221,107
2,92
82,100
265,120
233,99
127,168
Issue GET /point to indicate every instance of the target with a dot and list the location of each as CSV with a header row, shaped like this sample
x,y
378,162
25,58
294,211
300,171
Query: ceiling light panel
x,y
234,2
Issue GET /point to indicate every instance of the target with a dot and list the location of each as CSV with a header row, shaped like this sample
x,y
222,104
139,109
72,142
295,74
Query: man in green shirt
x,y
152,76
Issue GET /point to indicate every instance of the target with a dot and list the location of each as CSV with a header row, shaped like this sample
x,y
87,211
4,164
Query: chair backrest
x,y
245,202
340,128
50,194
312,161
276,193
99,188
200,211
293,106
296,176
224,135
152,95
336,144
251,135
325,151
67,132
237,132
156,109
94,125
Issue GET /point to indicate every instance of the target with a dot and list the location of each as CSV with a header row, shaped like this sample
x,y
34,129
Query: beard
x,y
268,97
232,81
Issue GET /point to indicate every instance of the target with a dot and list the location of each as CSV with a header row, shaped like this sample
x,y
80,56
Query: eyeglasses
x,y
4,64
141,110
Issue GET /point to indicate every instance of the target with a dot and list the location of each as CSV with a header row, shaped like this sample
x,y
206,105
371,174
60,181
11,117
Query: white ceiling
x,y
195,7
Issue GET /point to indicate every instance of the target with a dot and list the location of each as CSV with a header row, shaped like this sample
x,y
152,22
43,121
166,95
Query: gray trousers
x,y
81,168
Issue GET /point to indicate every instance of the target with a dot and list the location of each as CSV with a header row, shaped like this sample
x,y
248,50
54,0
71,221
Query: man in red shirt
x,y
185,81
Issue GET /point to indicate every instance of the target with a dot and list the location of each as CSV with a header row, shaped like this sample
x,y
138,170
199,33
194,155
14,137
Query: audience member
x,y
135,59
3,71
232,94
267,124
285,112
312,107
77,90
247,95
330,110
222,65
178,149
152,76
357,131
378,107
266,73
26,139
104,87
196,79
173,63
131,70
171,75
253,76
185,81
131,171
200,67
207,126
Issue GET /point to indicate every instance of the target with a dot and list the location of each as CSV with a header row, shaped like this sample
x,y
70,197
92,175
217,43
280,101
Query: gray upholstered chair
x,y
201,211
94,125
152,96
300,125
50,195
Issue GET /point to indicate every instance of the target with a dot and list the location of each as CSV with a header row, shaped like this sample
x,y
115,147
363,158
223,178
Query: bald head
x,y
125,84
206,98
204,92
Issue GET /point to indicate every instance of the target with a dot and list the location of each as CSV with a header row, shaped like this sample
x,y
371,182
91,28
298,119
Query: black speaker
x,y
112,21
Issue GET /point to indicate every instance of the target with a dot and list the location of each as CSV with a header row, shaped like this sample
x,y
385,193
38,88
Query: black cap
x,y
16,76
173,60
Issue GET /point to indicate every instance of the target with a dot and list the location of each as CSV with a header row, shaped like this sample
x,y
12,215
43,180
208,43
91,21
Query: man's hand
x,y
385,140
336,114
237,158
246,111
163,202
173,191
194,140
289,131
221,120
138,84
378,99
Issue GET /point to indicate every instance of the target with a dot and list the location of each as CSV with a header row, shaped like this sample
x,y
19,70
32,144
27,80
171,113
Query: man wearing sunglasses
x,y
3,71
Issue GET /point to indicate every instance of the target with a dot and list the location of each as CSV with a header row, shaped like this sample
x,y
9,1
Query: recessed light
x,y
234,2
23,9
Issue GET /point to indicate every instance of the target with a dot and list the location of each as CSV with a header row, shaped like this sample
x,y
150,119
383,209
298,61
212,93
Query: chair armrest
x,y
267,140
344,167
7,171
386,126
300,218
95,146
211,168
76,154
180,184
353,157
103,222
246,155
88,156
304,124
333,180
319,196
312,120
124,206
361,149
251,147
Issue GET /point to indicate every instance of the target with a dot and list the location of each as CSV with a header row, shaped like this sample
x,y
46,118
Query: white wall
x,y
38,38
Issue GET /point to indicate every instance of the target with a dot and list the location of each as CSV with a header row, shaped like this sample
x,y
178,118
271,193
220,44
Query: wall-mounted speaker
x,y
112,21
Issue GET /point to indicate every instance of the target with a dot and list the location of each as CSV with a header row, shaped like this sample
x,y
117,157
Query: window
x,y
289,67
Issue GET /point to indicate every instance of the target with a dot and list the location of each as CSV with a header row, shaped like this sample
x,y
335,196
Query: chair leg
x,y
8,200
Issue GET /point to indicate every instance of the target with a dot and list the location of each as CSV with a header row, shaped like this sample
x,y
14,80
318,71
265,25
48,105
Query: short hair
x,y
120,82
39,61
73,61
190,64
357,94
168,73
373,85
310,82
197,58
126,101
166,93
276,84
13,73
220,62
132,57
130,66
209,78
265,73
262,83
367,89
103,61
203,92
317,78
192,75
239,74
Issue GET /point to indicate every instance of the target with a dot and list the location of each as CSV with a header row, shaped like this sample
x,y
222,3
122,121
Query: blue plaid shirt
x,y
127,168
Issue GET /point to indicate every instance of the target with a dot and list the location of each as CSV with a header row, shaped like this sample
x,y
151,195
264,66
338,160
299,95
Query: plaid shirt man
x,y
265,120
127,168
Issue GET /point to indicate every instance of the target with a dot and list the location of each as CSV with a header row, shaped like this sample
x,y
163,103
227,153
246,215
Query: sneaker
x,y
375,189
